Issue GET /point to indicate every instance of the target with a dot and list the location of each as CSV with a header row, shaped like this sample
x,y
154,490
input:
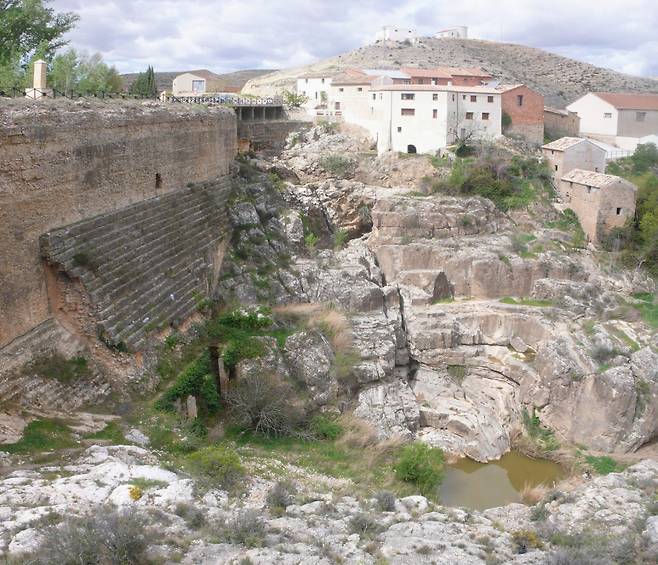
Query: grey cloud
x,y
228,34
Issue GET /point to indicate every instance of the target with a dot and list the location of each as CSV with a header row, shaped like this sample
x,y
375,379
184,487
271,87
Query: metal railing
x,y
612,155
226,99
38,93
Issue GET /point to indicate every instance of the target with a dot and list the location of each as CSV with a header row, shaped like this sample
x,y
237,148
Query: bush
x,y
193,516
265,404
218,467
525,540
56,366
365,525
340,238
104,535
293,99
603,465
337,165
385,501
247,528
644,156
281,495
325,428
196,380
422,465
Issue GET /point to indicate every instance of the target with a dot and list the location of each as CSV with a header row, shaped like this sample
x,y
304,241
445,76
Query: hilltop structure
x,y
459,32
618,118
396,33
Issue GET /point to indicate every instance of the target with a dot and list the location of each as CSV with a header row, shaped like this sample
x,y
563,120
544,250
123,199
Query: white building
x,y
426,118
396,33
618,118
458,32
195,83
316,88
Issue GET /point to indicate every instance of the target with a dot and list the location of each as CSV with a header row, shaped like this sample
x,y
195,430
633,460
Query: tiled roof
x,y
591,178
203,73
556,111
563,143
427,73
447,72
623,101
439,88
507,87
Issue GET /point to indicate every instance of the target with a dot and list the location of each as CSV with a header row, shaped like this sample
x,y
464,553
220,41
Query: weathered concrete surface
x,y
64,162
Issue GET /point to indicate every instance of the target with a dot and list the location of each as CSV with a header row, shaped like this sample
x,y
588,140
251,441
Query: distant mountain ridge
x,y
561,80
164,80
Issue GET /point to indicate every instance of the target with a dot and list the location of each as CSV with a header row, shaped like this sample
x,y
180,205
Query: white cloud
x,y
229,34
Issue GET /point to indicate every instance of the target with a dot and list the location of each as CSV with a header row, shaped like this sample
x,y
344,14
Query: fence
x,y
37,93
228,99
612,155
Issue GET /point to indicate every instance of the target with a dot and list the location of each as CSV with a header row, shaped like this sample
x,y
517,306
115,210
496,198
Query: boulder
x,y
391,408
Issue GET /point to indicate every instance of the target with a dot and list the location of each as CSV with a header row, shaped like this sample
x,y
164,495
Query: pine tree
x,y
144,85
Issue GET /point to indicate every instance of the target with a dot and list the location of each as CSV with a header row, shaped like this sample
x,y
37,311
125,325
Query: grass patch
x,y
526,302
457,372
145,484
542,437
42,435
111,432
446,300
648,308
56,366
603,465
622,336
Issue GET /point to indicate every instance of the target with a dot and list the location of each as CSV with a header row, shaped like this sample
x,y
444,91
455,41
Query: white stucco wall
x,y
313,88
354,105
592,110
393,33
182,85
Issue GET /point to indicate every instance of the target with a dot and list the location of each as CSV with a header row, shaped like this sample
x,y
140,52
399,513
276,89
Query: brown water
x,y
478,486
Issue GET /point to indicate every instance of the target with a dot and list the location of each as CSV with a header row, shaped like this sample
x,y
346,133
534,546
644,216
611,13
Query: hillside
x,y
236,79
560,79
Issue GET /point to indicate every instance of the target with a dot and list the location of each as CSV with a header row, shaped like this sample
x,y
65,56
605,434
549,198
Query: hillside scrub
x,y
508,182
637,242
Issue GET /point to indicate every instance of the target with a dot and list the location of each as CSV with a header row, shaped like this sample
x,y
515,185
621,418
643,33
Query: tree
x,y
27,26
294,100
144,84
84,73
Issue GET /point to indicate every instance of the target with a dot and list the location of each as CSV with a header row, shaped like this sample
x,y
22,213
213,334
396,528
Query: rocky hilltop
x,y
560,79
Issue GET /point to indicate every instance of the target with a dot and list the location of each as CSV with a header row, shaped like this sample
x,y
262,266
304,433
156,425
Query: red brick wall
x,y
532,111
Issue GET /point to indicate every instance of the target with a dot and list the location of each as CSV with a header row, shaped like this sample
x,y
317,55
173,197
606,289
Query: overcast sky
x,y
227,35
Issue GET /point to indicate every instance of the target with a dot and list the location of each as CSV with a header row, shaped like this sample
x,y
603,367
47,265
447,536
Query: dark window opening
x,y
158,180
399,129
556,167
618,211
519,99
411,149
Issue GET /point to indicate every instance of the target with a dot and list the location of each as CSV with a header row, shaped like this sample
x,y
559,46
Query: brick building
x,y
525,110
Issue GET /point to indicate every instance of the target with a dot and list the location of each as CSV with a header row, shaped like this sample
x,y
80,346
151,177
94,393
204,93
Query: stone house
x,y
617,118
457,32
601,202
560,123
525,109
396,33
425,118
568,153
196,83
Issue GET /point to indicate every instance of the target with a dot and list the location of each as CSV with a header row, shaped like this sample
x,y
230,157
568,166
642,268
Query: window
x,y
336,105
420,81
198,86
306,80
519,100
607,115
474,98
359,89
158,180
435,96
463,96
556,167
490,99
619,211
469,115
639,116
435,113
408,96
374,96
341,89
408,112
399,129
322,80
485,115
453,97
589,189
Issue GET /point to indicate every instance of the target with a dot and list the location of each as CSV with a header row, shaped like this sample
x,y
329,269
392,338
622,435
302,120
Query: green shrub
x,y
603,465
421,465
340,238
56,366
337,165
544,438
365,525
344,364
196,380
325,428
457,372
328,127
311,240
194,517
218,467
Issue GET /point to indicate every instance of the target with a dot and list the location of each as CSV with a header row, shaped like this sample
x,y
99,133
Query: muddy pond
x,y
478,486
